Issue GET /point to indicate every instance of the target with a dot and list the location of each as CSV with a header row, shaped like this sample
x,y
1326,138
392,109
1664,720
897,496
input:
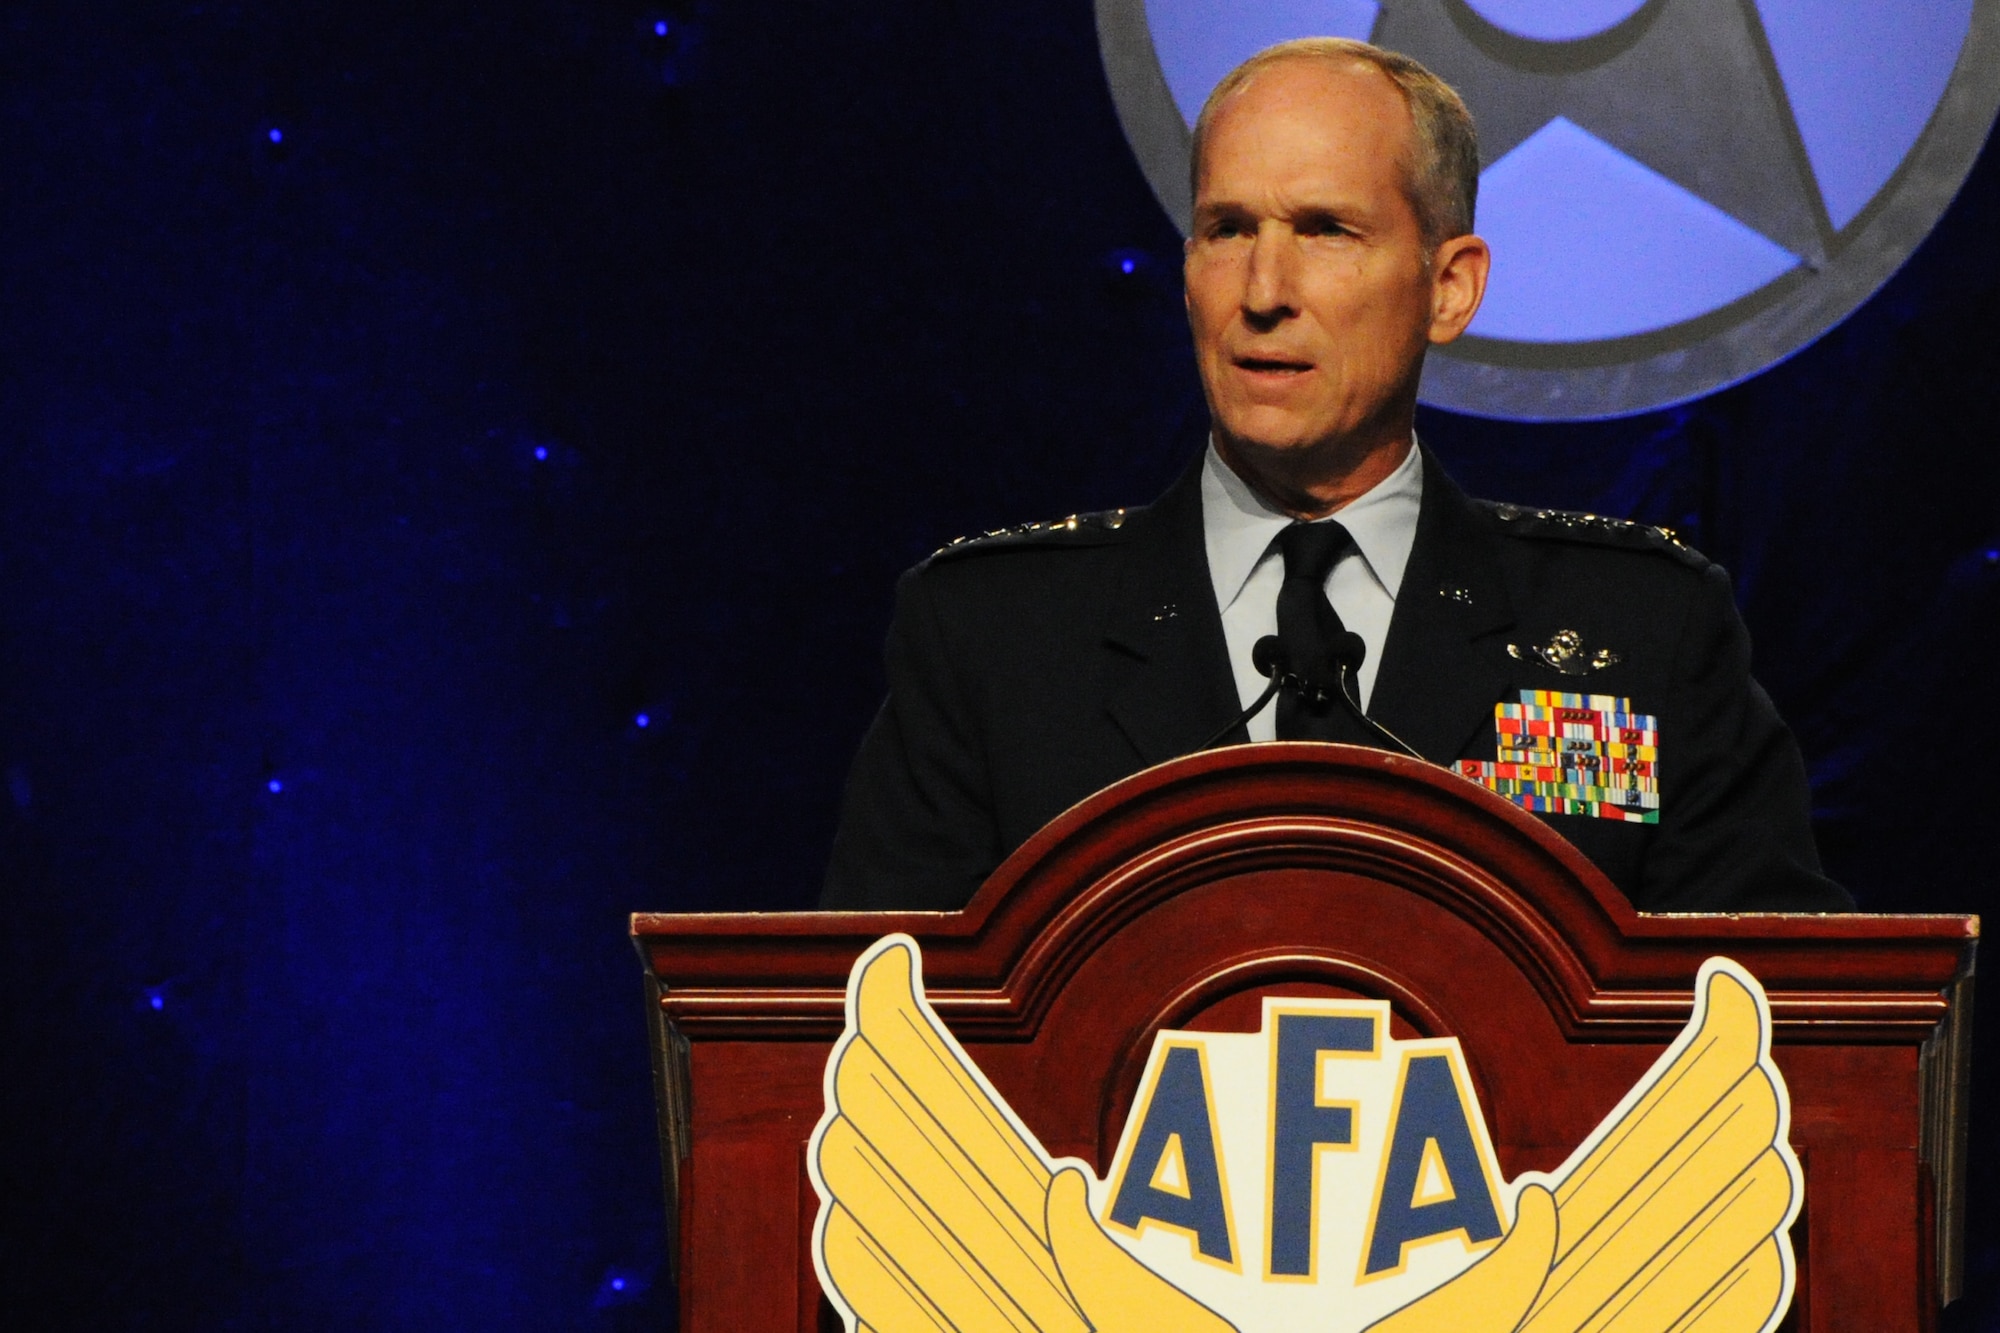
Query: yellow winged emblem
x,y
941,1213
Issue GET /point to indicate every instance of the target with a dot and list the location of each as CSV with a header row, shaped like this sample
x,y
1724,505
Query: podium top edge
x,y
1907,925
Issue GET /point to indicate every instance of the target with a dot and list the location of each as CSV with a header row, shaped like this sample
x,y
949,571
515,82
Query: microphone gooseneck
x,y
1348,692
1272,660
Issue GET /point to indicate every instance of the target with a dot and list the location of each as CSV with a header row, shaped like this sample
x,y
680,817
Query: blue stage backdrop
x,y
453,464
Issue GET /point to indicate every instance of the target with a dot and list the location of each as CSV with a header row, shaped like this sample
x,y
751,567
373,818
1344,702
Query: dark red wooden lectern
x,y
1181,896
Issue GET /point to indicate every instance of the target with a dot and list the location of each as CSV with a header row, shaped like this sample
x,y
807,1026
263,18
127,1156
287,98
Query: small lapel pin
x,y
1463,596
1565,652
1168,612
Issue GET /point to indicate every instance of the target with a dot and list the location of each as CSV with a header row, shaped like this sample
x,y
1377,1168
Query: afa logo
x,y
1679,193
1316,1174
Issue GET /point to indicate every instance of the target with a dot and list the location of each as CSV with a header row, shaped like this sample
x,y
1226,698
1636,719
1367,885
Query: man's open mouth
x,y
1272,365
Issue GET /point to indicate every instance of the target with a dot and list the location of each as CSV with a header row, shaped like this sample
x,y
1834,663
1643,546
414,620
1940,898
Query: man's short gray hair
x,y
1443,181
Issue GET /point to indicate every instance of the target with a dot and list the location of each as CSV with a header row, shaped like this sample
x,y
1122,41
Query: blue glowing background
x,y
453,464
1591,243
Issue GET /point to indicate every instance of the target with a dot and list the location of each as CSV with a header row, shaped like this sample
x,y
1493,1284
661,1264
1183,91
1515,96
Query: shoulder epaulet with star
x,y
1592,529
1077,530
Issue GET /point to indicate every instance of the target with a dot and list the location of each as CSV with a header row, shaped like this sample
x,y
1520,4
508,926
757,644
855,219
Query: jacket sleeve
x,y
1735,833
916,826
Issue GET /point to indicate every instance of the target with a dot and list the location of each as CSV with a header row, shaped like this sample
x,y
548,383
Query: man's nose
x,y
1269,293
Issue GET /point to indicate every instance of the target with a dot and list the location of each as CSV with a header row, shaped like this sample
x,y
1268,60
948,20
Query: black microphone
x,y
1348,652
1268,655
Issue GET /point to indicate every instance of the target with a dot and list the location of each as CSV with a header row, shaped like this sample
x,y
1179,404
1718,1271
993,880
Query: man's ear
x,y
1458,285
1187,257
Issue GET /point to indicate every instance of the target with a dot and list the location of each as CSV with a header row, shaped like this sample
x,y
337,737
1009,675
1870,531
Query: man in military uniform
x,y
1593,671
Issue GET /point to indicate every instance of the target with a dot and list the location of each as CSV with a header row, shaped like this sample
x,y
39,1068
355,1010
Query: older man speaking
x,y
1315,542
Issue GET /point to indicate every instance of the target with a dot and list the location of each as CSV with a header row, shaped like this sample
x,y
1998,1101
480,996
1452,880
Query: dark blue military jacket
x,y
1029,669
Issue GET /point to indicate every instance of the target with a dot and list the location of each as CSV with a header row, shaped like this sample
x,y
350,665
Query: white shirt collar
x,y
1239,527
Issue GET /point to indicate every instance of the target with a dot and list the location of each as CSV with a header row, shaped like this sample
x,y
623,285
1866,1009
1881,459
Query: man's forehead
x,y
1309,122
1348,90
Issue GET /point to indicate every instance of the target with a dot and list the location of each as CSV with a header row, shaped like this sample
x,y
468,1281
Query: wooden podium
x,y
1183,895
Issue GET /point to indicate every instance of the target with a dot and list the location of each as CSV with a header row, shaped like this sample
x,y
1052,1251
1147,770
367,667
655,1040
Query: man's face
x,y
1308,289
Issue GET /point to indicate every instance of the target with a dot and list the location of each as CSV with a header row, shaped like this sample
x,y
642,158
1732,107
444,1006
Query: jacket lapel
x,y
1168,682
1438,680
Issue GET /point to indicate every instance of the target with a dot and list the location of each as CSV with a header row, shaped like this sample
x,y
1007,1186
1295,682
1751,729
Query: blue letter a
x,y
1434,1182
1174,1176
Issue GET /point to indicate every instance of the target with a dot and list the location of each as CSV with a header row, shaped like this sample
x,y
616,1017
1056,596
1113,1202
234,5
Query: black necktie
x,y
1313,638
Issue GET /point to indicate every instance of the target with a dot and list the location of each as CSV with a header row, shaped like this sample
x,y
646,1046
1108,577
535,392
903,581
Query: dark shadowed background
x,y
454,460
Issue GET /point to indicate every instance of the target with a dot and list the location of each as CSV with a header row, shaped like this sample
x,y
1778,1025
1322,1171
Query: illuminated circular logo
x,y
1679,193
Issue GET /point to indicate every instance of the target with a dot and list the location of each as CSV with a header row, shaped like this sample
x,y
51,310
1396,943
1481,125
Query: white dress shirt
x,y
1244,562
